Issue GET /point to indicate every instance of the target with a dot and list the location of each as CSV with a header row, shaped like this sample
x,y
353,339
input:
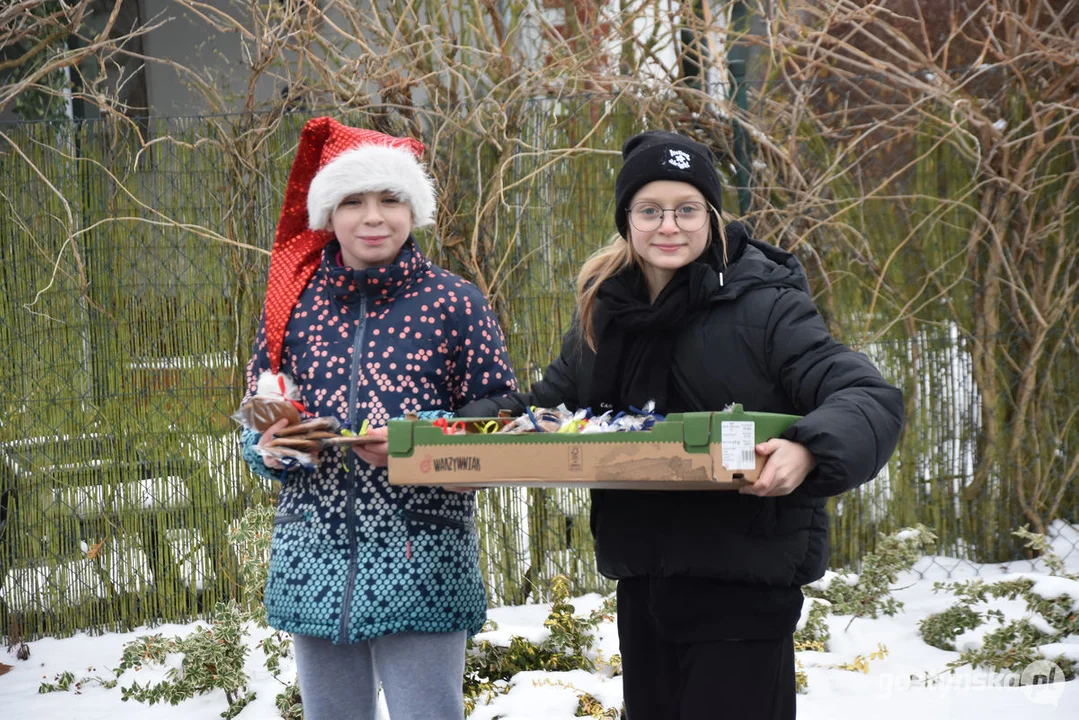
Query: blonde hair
x,y
614,257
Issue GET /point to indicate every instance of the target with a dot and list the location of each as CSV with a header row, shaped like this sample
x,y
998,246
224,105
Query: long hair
x,y
614,257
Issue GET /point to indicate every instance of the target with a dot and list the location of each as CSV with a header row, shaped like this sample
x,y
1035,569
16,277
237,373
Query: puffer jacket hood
x,y
753,264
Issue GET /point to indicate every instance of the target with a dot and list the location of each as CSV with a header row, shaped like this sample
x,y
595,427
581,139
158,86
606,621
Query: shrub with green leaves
x,y
941,629
1014,645
250,540
63,682
815,634
1038,544
489,667
288,702
868,594
589,706
213,658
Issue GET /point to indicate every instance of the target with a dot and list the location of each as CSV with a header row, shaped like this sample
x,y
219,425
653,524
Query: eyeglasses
x,y
689,217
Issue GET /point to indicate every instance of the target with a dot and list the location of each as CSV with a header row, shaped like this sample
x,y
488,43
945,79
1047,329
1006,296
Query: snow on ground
x,y
911,680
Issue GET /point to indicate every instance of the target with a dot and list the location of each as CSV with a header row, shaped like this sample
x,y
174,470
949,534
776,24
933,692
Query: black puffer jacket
x,y
759,342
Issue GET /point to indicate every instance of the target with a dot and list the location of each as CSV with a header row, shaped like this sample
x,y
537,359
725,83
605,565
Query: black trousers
x,y
707,680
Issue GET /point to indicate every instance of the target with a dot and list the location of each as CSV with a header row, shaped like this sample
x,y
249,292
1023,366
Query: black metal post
x,y
737,59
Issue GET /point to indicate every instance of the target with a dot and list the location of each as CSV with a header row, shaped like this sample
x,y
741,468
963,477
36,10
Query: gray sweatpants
x,y
421,676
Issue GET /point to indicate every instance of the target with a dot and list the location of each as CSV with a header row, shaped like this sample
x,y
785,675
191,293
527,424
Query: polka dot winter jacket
x,y
353,557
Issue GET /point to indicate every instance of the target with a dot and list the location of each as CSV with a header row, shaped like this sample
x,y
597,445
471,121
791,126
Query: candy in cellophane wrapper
x,y
288,457
539,420
561,420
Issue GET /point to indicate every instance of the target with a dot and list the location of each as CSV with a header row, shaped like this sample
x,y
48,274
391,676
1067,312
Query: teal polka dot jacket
x,y
353,557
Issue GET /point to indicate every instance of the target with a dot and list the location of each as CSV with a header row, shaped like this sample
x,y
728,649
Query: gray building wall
x,y
191,42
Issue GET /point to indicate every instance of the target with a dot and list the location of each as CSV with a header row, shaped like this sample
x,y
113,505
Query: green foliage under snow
x,y
1050,617
489,667
868,594
213,656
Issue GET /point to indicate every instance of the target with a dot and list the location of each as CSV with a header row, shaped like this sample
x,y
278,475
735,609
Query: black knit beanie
x,y
661,155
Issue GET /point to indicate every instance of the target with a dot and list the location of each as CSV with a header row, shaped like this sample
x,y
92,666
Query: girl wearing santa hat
x,y
379,584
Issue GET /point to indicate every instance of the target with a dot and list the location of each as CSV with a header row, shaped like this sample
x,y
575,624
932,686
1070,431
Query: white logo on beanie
x,y
678,159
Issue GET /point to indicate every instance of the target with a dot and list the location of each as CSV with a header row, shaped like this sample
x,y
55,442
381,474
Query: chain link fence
x,y
128,313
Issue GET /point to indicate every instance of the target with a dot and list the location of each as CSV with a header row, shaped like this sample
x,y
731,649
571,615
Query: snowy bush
x,y
985,636
589,706
941,629
868,593
813,631
489,667
1004,625
213,658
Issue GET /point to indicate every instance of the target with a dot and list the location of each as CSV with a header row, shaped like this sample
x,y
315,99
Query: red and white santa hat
x,y
355,161
332,162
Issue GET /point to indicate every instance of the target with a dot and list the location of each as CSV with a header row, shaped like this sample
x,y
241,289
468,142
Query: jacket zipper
x,y
418,517
357,353
352,474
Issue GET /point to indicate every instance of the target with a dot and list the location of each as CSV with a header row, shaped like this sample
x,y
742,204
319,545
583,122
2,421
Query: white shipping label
x,y
738,445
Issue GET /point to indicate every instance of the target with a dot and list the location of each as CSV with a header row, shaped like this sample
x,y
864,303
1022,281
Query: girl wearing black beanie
x,y
695,315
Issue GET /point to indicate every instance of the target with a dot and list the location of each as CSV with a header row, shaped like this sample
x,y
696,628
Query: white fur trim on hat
x,y
371,168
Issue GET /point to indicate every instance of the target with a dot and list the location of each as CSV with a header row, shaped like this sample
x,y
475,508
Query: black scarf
x,y
635,338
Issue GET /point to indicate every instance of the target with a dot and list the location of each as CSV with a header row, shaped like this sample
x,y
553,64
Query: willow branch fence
x,y
126,323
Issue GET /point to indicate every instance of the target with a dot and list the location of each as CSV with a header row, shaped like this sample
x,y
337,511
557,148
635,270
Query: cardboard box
x,y
690,451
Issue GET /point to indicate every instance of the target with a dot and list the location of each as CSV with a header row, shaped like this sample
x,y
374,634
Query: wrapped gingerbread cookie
x,y
276,398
